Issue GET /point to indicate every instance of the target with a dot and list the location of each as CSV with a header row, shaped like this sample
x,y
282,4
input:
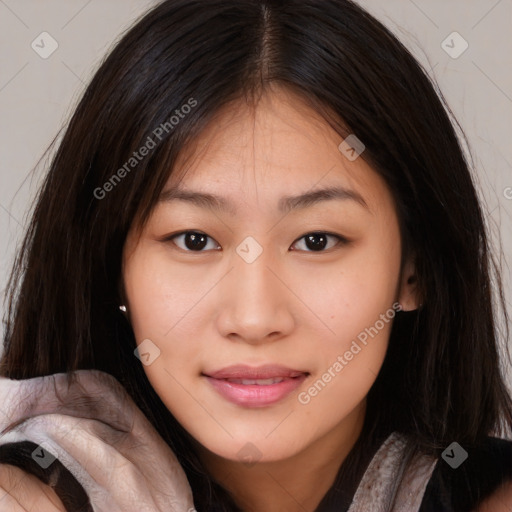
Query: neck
x,y
295,484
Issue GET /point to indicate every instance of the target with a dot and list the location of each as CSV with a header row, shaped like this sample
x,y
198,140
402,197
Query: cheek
x,y
159,297
166,305
360,303
357,300
350,295
159,293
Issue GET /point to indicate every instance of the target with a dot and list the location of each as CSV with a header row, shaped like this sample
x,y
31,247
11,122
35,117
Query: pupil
x,y
316,241
195,241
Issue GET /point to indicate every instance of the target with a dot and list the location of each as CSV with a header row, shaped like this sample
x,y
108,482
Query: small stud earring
x,y
122,307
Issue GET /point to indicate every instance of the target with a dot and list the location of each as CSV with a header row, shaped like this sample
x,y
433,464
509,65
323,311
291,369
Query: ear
x,y
408,293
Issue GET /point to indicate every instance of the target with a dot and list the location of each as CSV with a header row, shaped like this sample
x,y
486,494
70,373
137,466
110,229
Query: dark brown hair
x,y
441,380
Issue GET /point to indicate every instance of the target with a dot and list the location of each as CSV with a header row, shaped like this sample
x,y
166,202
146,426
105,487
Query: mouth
x,y
255,387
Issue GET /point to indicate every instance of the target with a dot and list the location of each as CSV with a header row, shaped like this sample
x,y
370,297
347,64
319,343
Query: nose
x,y
255,306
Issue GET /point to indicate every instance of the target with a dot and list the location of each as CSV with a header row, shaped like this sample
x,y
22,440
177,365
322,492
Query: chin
x,y
253,449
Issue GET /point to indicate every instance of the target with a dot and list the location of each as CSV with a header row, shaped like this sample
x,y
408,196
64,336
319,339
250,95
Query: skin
x,y
292,306
22,492
500,501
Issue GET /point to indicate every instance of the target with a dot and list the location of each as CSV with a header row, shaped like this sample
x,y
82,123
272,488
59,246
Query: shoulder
x,y
21,491
482,482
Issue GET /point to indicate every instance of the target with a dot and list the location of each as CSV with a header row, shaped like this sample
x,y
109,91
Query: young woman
x,y
266,202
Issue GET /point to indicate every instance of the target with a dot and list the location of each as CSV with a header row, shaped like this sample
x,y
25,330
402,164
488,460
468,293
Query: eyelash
x,y
341,240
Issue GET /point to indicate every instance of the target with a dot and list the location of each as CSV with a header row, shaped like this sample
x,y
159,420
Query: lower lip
x,y
254,395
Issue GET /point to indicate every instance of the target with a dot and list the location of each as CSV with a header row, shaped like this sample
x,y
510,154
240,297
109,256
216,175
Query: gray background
x,y
37,95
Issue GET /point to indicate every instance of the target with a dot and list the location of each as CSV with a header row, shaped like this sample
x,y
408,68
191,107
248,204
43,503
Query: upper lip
x,y
241,371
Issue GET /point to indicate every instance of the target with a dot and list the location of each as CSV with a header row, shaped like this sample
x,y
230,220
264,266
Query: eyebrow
x,y
285,204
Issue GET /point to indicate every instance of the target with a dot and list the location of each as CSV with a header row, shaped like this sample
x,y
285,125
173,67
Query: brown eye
x,y
319,241
193,241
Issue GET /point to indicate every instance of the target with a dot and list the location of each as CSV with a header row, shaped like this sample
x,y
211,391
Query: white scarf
x,y
97,432
381,476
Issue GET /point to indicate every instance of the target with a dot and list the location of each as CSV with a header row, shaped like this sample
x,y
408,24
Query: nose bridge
x,y
254,304
254,283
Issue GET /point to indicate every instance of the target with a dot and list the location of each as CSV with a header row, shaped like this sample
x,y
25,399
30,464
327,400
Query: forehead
x,y
276,147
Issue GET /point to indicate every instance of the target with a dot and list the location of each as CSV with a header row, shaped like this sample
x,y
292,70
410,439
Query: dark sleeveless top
x,y
460,490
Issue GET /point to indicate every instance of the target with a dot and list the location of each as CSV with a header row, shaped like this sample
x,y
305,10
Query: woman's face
x,y
264,281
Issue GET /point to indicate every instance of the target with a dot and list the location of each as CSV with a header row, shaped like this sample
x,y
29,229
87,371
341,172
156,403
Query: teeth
x,y
259,382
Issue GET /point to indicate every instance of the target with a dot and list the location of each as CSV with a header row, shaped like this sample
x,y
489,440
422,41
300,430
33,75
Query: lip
x,y
242,371
253,394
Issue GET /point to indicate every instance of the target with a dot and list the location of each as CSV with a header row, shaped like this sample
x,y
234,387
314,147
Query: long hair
x,y
441,379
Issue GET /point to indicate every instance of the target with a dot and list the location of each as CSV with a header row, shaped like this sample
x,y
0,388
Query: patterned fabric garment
x,y
377,485
45,418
